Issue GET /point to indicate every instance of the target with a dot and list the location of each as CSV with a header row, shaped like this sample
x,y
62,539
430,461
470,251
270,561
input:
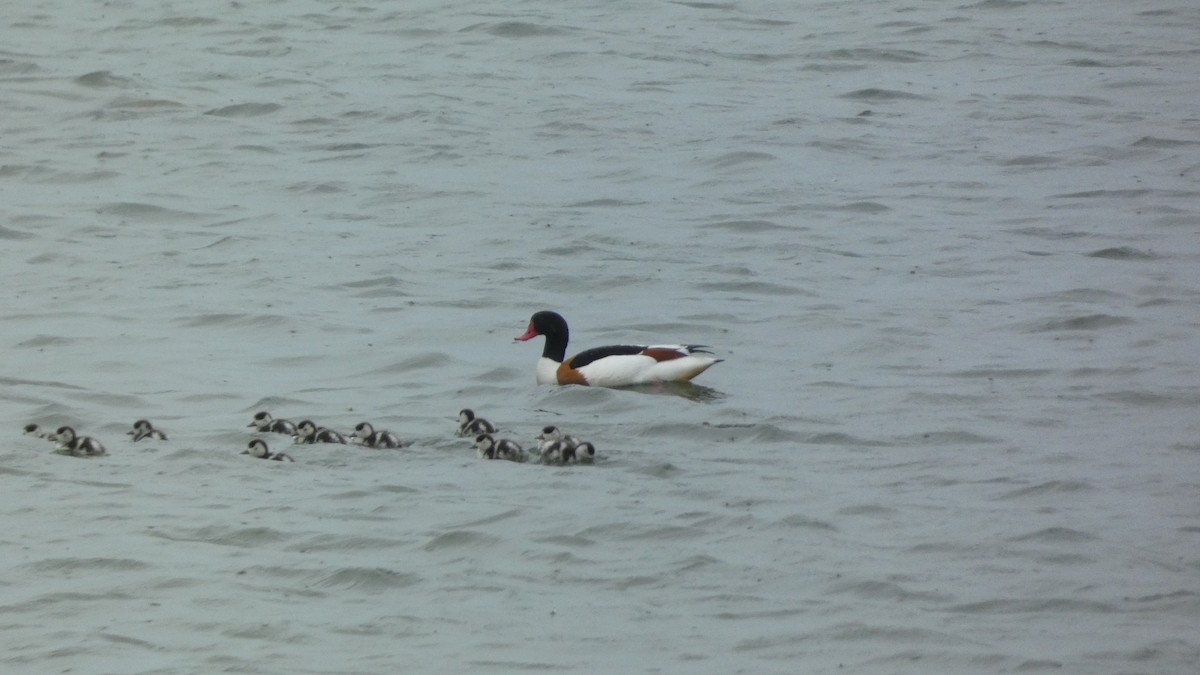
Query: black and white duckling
x,y
470,425
556,452
265,423
143,429
551,435
258,449
584,453
564,452
559,448
490,448
365,434
79,446
308,432
38,432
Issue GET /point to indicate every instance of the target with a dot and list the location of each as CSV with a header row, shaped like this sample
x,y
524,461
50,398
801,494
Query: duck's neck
x,y
555,348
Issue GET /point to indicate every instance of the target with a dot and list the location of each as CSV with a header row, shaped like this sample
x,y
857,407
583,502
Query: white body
x,y
547,371
626,369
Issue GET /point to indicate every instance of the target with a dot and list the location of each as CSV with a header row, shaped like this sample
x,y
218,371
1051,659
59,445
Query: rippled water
x,y
948,253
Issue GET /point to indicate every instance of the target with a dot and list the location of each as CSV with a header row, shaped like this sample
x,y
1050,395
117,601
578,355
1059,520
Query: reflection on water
x,y
688,390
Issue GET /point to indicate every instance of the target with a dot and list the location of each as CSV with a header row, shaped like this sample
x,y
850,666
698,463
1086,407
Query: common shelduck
x,y
490,448
556,452
470,425
143,429
552,434
365,434
79,446
265,423
308,432
258,449
614,365
559,448
38,432
584,453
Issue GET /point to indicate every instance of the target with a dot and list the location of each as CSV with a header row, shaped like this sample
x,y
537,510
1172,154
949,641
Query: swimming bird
x,y
365,434
559,448
143,429
79,446
490,448
614,365
556,452
309,432
584,453
552,434
258,449
265,423
38,432
470,425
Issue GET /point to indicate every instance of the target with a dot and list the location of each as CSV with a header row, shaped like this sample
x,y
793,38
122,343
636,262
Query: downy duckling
x,y
38,432
470,425
558,448
143,429
563,452
78,446
555,452
552,434
265,423
259,450
308,432
365,434
490,448
584,453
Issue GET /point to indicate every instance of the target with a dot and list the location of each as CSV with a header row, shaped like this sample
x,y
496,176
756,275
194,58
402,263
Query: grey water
x,y
947,252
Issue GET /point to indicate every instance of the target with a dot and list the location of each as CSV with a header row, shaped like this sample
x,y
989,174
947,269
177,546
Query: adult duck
x,y
614,365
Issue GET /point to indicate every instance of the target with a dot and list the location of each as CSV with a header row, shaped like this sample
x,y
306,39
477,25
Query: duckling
x,y
490,448
552,434
265,423
78,446
470,425
365,434
307,432
38,432
556,452
143,429
584,453
558,448
259,450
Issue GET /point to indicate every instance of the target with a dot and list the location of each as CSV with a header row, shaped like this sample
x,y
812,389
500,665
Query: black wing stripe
x,y
588,356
